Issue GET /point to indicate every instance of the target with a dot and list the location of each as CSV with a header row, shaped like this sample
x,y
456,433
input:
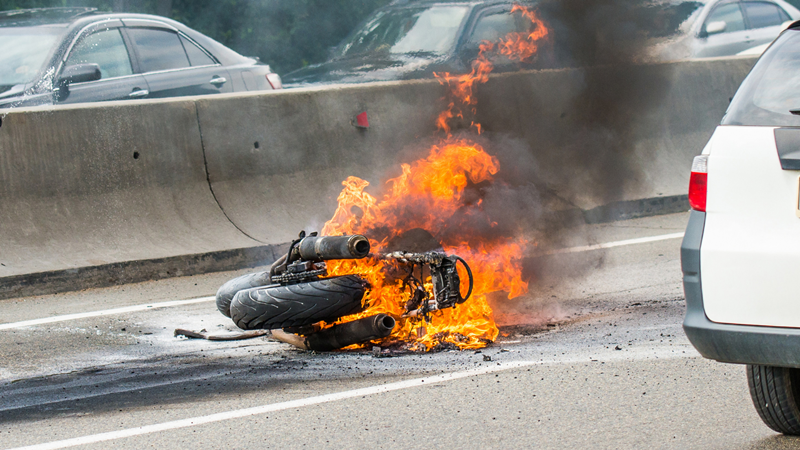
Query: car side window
x,y
492,27
764,14
197,57
729,13
158,49
106,49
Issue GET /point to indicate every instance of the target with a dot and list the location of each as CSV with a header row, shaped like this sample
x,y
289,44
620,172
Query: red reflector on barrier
x,y
361,120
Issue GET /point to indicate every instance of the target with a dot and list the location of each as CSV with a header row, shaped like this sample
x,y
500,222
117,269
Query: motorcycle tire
x,y
228,290
298,305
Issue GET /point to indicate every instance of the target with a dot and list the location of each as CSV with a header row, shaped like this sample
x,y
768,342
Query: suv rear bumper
x,y
742,344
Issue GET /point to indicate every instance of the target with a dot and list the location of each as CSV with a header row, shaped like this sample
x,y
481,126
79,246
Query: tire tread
x,y
297,305
774,391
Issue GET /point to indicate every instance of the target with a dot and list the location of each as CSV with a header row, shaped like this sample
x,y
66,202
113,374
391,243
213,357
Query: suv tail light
x,y
698,183
274,80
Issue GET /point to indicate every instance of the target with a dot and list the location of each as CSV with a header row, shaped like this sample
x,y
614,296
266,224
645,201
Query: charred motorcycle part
x,y
306,257
304,330
444,277
296,297
341,335
419,295
203,334
447,284
322,248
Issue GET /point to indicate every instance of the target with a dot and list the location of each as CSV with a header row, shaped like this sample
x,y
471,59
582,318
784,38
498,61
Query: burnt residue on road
x,y
262,374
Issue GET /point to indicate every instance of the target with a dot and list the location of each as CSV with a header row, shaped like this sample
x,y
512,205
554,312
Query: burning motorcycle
x,y
296,295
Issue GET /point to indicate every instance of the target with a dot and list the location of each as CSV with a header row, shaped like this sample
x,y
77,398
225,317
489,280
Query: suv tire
x,y
776,393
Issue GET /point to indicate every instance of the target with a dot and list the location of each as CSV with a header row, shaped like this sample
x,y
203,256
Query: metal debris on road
x,y
203,334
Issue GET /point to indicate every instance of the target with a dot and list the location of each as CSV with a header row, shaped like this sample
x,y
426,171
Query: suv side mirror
x,y
715,27
79,73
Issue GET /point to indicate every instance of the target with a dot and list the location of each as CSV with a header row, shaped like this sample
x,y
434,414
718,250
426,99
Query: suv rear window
x,y
772,89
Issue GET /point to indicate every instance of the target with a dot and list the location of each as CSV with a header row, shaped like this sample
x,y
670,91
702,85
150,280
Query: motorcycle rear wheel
x,y
298,305
228,290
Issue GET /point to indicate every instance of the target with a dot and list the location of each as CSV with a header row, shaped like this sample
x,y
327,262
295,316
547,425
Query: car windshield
x,y
407,30
23,51
771,92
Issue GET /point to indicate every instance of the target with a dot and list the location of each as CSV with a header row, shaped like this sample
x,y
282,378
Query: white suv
x,y
741,251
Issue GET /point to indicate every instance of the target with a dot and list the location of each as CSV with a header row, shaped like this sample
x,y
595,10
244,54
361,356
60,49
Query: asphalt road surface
x,y
593,357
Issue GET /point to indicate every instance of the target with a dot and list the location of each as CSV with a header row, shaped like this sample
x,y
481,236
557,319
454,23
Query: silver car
x,y
728,27
76,55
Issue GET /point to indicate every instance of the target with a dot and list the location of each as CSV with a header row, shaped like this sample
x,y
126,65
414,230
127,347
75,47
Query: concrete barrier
x,y
276,162
105,184
614,142
98,184
614,134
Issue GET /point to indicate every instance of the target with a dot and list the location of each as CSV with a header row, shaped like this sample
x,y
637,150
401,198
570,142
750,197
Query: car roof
x,y
450,2
42,16
75,19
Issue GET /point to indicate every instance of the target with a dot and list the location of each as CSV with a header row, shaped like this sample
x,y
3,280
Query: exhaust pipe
x,y
322,248
341,335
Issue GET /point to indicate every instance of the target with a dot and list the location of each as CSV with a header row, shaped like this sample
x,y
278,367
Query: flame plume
x,y
430,194
520,47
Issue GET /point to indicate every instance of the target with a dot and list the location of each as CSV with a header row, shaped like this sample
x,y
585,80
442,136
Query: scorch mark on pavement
x,y
327,398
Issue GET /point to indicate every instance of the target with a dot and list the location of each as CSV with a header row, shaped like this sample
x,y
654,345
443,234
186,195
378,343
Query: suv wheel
x,y
776,393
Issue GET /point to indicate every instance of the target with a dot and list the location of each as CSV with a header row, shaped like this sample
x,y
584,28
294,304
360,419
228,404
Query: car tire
x,y
298,305
776,393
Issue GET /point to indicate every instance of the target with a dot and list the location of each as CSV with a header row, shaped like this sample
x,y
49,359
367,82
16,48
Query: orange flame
x,y
514,46
429,194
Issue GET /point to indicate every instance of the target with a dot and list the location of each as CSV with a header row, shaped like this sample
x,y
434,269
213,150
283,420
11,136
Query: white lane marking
x,y
107,312
372,390
586,248
194,421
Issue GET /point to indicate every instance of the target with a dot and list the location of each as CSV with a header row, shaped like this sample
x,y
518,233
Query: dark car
x,y
413,39
71,55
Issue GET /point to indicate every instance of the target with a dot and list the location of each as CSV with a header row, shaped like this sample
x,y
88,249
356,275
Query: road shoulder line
x,y
106,312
